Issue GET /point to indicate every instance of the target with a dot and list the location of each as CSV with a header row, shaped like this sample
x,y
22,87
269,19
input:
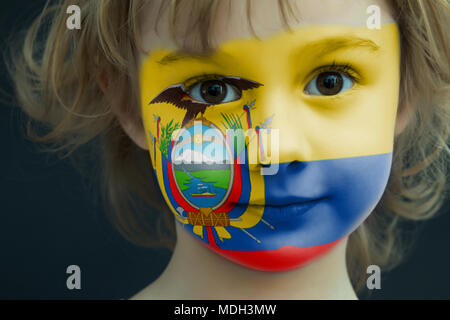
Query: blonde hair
x,y
57,85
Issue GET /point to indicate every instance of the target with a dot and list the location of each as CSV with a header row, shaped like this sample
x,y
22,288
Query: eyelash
x,y
346,68
191,82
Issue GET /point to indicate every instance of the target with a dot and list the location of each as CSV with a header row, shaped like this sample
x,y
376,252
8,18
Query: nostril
x,y
295,165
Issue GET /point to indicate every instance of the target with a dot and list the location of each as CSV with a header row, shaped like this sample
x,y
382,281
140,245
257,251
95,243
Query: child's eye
x,y
214,92
206,90
329,84
332,81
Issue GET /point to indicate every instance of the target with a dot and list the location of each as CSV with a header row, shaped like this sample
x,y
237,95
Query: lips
x,y
280,210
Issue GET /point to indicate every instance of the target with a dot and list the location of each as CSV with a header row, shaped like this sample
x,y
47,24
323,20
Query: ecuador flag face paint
x,y
271,151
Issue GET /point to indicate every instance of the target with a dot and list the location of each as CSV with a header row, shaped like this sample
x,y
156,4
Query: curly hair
x,y
56,72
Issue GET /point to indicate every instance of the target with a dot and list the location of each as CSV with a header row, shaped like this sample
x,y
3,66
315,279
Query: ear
x,y
131,124
133,127
402,118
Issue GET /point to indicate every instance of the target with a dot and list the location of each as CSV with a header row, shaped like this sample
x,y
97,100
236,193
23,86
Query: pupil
x,y
329,83
213,91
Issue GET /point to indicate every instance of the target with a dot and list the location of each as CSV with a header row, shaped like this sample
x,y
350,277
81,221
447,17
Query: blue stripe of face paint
x,y
344,192
309,203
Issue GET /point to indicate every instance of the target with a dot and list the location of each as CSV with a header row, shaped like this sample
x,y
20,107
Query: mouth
x,y
285,212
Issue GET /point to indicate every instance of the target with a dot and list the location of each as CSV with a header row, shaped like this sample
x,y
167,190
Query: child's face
x,y
318,107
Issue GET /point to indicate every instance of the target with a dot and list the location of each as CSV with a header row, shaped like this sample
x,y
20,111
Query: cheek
x,y
355,186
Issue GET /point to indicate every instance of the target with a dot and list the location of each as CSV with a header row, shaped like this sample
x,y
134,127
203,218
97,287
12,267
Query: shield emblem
x,y
202,165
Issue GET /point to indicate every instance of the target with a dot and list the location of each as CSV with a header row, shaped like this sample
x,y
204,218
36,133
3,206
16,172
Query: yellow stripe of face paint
x,y
159,175
357,122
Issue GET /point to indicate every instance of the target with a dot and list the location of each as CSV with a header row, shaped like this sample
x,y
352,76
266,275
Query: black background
x,y
48,221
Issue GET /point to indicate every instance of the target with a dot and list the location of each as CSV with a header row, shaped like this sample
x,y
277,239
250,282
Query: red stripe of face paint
x,y
282,259
211,238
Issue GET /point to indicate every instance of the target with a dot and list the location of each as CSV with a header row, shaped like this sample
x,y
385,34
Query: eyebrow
x,y
180,55
319,48
333,44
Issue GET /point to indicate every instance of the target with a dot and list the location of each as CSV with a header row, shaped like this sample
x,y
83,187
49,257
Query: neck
x,y
195,272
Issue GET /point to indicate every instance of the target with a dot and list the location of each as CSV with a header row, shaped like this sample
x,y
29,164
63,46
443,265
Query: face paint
x,y
329,95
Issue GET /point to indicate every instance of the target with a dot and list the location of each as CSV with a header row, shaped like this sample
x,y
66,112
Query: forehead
x,y
230,19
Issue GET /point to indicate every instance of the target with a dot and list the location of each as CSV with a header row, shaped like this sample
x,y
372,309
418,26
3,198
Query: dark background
x,y
48,221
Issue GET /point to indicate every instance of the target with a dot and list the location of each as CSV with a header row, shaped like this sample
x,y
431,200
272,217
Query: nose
x,y
278,118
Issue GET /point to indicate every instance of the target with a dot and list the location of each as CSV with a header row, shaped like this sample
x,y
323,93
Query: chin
x,y
283,259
